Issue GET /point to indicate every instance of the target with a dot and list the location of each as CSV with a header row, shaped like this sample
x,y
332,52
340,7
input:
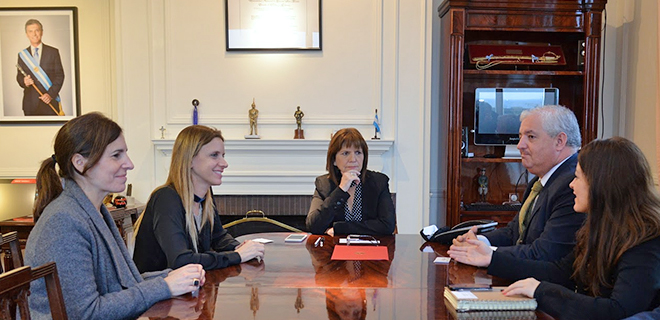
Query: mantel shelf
x,y
273,167
266,145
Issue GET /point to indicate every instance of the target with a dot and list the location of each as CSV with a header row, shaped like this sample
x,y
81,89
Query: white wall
x,y
25,146
631,78
142,62
375,56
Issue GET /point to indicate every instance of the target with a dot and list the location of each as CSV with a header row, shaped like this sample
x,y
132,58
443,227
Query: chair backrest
x,y
16,258
249,225
15,288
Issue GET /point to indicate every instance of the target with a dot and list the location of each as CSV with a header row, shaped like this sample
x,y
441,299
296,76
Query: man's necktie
x,y
36,53
526,209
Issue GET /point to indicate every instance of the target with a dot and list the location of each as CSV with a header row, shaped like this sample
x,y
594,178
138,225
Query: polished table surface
x,y
300,281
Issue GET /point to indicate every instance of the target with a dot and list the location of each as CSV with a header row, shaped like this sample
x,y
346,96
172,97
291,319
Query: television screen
x,y
497,112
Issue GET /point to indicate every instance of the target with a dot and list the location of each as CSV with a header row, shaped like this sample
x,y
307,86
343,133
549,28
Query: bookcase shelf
x,y
469,72
489,160
573,25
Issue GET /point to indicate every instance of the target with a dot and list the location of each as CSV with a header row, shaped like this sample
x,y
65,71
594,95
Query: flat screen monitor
x,y
497,114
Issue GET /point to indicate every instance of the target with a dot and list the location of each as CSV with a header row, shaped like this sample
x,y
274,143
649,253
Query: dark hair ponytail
x,y
87,135
49,186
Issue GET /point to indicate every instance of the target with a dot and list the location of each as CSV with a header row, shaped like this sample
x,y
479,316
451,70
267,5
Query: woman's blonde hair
x,y
186,146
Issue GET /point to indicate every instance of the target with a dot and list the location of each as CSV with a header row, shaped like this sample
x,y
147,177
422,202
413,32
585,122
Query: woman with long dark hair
x,y
75,230
614,270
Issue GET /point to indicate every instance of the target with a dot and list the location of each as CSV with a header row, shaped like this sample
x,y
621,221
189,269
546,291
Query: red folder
x,y
360,253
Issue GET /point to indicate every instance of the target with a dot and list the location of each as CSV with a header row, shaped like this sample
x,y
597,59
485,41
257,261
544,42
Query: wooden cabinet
x,y
574,25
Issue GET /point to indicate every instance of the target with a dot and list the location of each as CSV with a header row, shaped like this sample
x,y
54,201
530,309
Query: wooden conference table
x,y
300,281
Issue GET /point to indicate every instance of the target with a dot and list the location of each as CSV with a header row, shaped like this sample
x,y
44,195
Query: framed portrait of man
x,y
39,64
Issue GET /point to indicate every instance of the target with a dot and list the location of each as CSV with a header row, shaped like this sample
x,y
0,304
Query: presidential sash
x,y
37,71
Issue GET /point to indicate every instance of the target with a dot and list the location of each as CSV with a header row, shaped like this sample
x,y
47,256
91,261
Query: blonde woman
x,y
181,224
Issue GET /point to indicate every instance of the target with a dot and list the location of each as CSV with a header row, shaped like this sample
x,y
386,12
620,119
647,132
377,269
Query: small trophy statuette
x,y
253,114
299,133
482,189
195,116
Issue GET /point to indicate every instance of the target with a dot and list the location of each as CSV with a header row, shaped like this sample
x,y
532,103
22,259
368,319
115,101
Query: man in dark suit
x,y
545,227
43,69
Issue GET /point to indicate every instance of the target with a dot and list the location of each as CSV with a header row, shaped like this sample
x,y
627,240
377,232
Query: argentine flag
x,y
376,121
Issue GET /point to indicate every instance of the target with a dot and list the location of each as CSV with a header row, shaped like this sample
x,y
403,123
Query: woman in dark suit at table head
x,y
351,199
614,270
181,224
75,230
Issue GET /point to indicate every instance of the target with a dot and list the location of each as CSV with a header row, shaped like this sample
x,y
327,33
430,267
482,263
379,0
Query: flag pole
x,y
376,127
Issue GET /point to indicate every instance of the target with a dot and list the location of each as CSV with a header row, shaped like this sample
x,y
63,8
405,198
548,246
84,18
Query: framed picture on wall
x,y
39,64
273,25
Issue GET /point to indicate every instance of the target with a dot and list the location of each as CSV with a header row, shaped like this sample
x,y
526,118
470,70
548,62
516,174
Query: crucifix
x,y
162,132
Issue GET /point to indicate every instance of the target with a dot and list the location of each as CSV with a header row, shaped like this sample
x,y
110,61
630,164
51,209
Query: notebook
x,y
487,300
491,314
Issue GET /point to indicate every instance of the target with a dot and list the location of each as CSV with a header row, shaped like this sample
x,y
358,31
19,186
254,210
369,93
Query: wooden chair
x,y
249,225
15,288
13,256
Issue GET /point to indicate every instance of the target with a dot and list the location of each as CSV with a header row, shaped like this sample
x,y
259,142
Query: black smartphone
x,y
470,287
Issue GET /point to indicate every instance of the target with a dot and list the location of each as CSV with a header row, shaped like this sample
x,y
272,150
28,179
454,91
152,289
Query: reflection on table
x,y
300,281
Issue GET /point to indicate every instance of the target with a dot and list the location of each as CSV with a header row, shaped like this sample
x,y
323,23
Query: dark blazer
x,y
648,315
327,208
52,65
552,226
636,284
163,240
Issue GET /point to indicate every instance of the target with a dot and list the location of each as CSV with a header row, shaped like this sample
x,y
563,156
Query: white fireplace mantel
x,y
274,167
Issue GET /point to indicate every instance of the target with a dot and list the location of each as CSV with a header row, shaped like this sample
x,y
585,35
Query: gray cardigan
x,y
98,277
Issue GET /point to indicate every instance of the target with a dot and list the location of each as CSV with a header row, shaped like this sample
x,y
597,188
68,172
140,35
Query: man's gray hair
x,y
33,21
555,120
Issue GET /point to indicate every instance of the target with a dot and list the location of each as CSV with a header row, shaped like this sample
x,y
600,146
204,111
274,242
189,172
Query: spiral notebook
x,y
491,314
487,300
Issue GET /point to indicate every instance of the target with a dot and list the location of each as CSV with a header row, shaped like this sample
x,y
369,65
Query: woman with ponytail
x,y
75,230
